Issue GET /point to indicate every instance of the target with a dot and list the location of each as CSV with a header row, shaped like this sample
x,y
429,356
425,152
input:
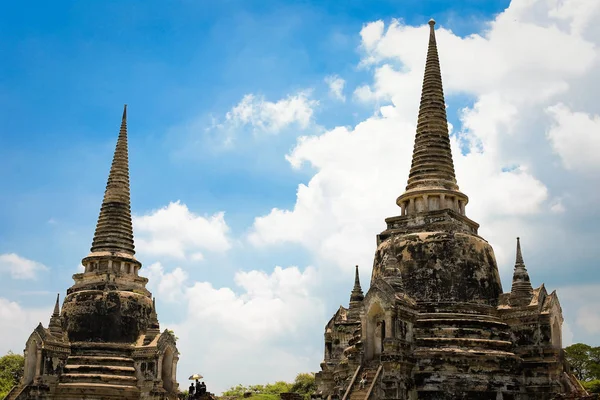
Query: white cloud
x,y
580,305
575,136
19,267
176,232
336,87
17,323
247,334
522,64
168,286
266,116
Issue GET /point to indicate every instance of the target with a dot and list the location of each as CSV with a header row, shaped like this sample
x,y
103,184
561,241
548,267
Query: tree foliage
x,y
592,386
304,384
584,361
11,371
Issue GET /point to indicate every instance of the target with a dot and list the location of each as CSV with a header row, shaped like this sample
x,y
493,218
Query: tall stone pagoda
x,y
435,323
106,342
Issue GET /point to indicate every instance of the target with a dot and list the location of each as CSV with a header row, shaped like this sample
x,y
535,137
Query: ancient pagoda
x,y
106,342
435,323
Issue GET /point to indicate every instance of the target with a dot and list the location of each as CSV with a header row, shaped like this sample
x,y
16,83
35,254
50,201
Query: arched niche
x,y
375,331
167,370
31,361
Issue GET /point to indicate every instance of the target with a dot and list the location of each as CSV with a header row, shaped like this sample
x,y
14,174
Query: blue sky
x,y
73,65
70,66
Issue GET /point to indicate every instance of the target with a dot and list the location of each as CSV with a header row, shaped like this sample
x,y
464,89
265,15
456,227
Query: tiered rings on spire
x,y
114,231
431,182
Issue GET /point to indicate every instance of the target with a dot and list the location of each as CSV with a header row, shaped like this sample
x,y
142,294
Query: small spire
x,y
521,291
56,312
55,325
114,231
357,293
154,326
519,254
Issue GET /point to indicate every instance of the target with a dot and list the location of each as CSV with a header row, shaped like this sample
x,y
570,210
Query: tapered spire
x,y
56,312
55,325
357,293
522,291
154,326
519,260
432,163
431,182
114,231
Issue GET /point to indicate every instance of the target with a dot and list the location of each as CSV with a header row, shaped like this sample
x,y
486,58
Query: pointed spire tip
x,y
519,253
124,112
57,305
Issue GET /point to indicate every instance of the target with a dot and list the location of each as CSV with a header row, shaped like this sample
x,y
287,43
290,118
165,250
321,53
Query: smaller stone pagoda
x,y
106,342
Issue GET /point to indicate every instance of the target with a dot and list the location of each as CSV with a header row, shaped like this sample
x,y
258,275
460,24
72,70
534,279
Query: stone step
x,y
101,360
119,380
471,322
100,369
359,394
97,390
463,353
464,343
458,332
463,315
101,349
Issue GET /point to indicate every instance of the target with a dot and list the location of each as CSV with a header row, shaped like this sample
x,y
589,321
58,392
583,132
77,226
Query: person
x,y
202,389
198,388
363,380
191,390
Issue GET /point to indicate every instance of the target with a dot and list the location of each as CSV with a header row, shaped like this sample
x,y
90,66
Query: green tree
x,y
304,384
277,387
11,371
584,361
592,386
236,391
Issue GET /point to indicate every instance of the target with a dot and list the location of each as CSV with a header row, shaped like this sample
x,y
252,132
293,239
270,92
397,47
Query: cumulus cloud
x,y
19,267
522,64
17,323
176,232
252,327
168,286
267,116
580,305
575,136
336,87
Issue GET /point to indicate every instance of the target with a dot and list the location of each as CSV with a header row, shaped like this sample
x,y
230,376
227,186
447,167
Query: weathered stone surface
x,y
106,316
441,266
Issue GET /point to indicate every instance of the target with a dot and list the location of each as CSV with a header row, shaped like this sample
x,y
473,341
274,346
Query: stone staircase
x,y
356,393
94,368
14,393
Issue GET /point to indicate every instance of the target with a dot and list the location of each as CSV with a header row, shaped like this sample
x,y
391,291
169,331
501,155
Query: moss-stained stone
x,y
111,316
441,267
